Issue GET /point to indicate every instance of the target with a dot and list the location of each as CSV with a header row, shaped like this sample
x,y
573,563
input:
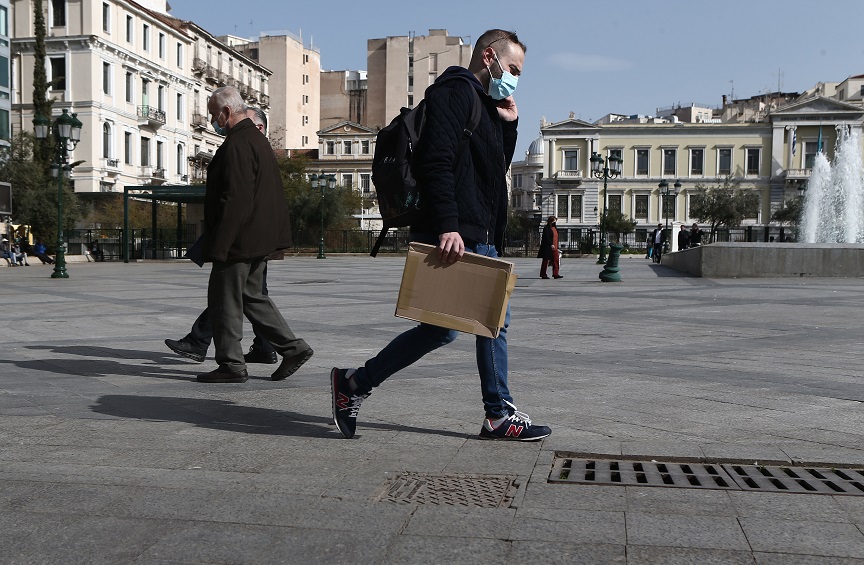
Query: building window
x,y
641,211
127,148
724,161
146,33
58,13
180,55
642,162
58,73
161,45
5,132
810,150
4,71
517,181
145,151
576,208
160,98
4,21
697,162
669,159
180,160
106,17
571,160
617,153
753,161
160,161
106,141
365,182
179,107
347,181
130,96
410,101
615,202
668,206
364,147
563,204
106,78
130,26
348,147
330,148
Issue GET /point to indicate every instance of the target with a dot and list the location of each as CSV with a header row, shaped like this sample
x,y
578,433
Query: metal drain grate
x,y
645,473
728,476
483,491
798,479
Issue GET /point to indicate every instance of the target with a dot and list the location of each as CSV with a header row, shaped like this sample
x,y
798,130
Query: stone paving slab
x,y
110,452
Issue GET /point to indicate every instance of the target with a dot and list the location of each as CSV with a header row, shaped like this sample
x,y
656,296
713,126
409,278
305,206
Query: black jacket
x,y
472,199
245,211
546,250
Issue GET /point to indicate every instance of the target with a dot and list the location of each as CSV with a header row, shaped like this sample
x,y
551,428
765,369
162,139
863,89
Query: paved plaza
x,y
111,452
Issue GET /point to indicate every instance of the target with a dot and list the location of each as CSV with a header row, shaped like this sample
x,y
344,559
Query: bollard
x,y
610,270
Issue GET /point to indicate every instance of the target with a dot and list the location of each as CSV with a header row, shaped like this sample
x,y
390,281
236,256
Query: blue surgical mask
x,y
219,129
501,88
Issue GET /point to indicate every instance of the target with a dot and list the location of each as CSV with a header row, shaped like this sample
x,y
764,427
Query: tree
x,y
107,213
41,103
35,199
618,224
725,204
790,213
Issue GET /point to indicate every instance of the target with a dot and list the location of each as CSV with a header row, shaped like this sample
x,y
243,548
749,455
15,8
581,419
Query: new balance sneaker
x,y
186,349
515,427
346,404
290,365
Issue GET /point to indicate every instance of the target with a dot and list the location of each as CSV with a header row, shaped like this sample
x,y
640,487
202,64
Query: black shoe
x,y
290,364
558,276
544,277
257,356
346,404
224,375
186,349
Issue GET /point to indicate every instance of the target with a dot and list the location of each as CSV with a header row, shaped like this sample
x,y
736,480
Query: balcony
x,y
568,175
254,94
198,66
200,121
148,115
112,166
798,174
265,99
159,173
152,175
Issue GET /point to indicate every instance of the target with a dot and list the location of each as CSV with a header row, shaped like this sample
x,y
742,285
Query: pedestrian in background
x,y
549,251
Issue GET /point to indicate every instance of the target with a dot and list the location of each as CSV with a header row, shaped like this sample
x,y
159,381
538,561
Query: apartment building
x,y
343,97
5,101
295,86
400,68
138,80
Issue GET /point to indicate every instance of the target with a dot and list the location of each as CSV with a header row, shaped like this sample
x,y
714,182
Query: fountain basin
x,y
762,260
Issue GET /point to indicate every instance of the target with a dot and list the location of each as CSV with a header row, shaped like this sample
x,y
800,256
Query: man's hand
x,y
507,109
450,247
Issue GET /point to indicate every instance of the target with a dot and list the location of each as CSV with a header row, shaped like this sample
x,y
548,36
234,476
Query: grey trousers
x,y
234,291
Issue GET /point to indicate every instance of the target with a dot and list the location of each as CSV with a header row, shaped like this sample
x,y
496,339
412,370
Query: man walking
x,y
658,236
245,219
464,209
195,344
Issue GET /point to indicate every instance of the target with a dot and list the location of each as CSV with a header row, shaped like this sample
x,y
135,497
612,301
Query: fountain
x,y
834,200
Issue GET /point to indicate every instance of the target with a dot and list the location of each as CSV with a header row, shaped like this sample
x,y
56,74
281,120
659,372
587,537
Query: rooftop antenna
x,y
732,94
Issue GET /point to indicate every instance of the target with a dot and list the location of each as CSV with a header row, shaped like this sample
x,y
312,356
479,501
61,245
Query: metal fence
x,y
168,243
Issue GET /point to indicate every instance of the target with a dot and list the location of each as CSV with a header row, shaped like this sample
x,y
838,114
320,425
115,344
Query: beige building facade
x,y
400,68
343,97
295,86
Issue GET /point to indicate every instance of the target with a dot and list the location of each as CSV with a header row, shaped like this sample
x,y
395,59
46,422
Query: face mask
x,y
219,129
501,88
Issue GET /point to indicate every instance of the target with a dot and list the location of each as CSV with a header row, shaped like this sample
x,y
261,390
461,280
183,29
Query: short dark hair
x,y
495,35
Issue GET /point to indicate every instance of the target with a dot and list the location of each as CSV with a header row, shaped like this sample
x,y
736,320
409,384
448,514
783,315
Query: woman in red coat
x,y
549,249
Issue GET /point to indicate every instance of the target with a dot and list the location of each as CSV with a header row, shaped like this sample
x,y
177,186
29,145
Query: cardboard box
x,y
470,295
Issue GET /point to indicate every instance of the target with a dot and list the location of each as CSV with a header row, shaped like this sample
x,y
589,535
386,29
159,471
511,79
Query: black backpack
x,y
396,189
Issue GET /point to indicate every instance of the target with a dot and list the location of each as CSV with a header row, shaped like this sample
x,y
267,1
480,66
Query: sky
x,y
589,58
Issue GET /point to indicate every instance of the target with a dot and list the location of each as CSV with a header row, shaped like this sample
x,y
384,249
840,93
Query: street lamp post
x,y
664,190
323,181
601,171
67,133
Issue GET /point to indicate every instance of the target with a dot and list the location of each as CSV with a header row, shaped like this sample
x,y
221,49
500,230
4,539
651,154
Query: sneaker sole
x,y
334,374
198,358
511,438
282,374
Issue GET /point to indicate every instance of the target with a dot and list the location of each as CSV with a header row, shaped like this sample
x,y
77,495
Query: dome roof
x,y
536,147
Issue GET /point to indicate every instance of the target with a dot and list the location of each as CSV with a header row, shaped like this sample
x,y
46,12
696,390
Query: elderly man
x,y
195,344
245,219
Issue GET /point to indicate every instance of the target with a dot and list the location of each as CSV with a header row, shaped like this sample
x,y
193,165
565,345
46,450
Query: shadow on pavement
x,y
113,353
101,368
229,416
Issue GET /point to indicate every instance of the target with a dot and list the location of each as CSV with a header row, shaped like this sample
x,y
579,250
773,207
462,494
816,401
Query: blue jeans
x,y
413,344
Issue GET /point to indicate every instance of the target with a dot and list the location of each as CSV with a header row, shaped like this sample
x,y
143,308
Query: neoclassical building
x,y
769,154
138,80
